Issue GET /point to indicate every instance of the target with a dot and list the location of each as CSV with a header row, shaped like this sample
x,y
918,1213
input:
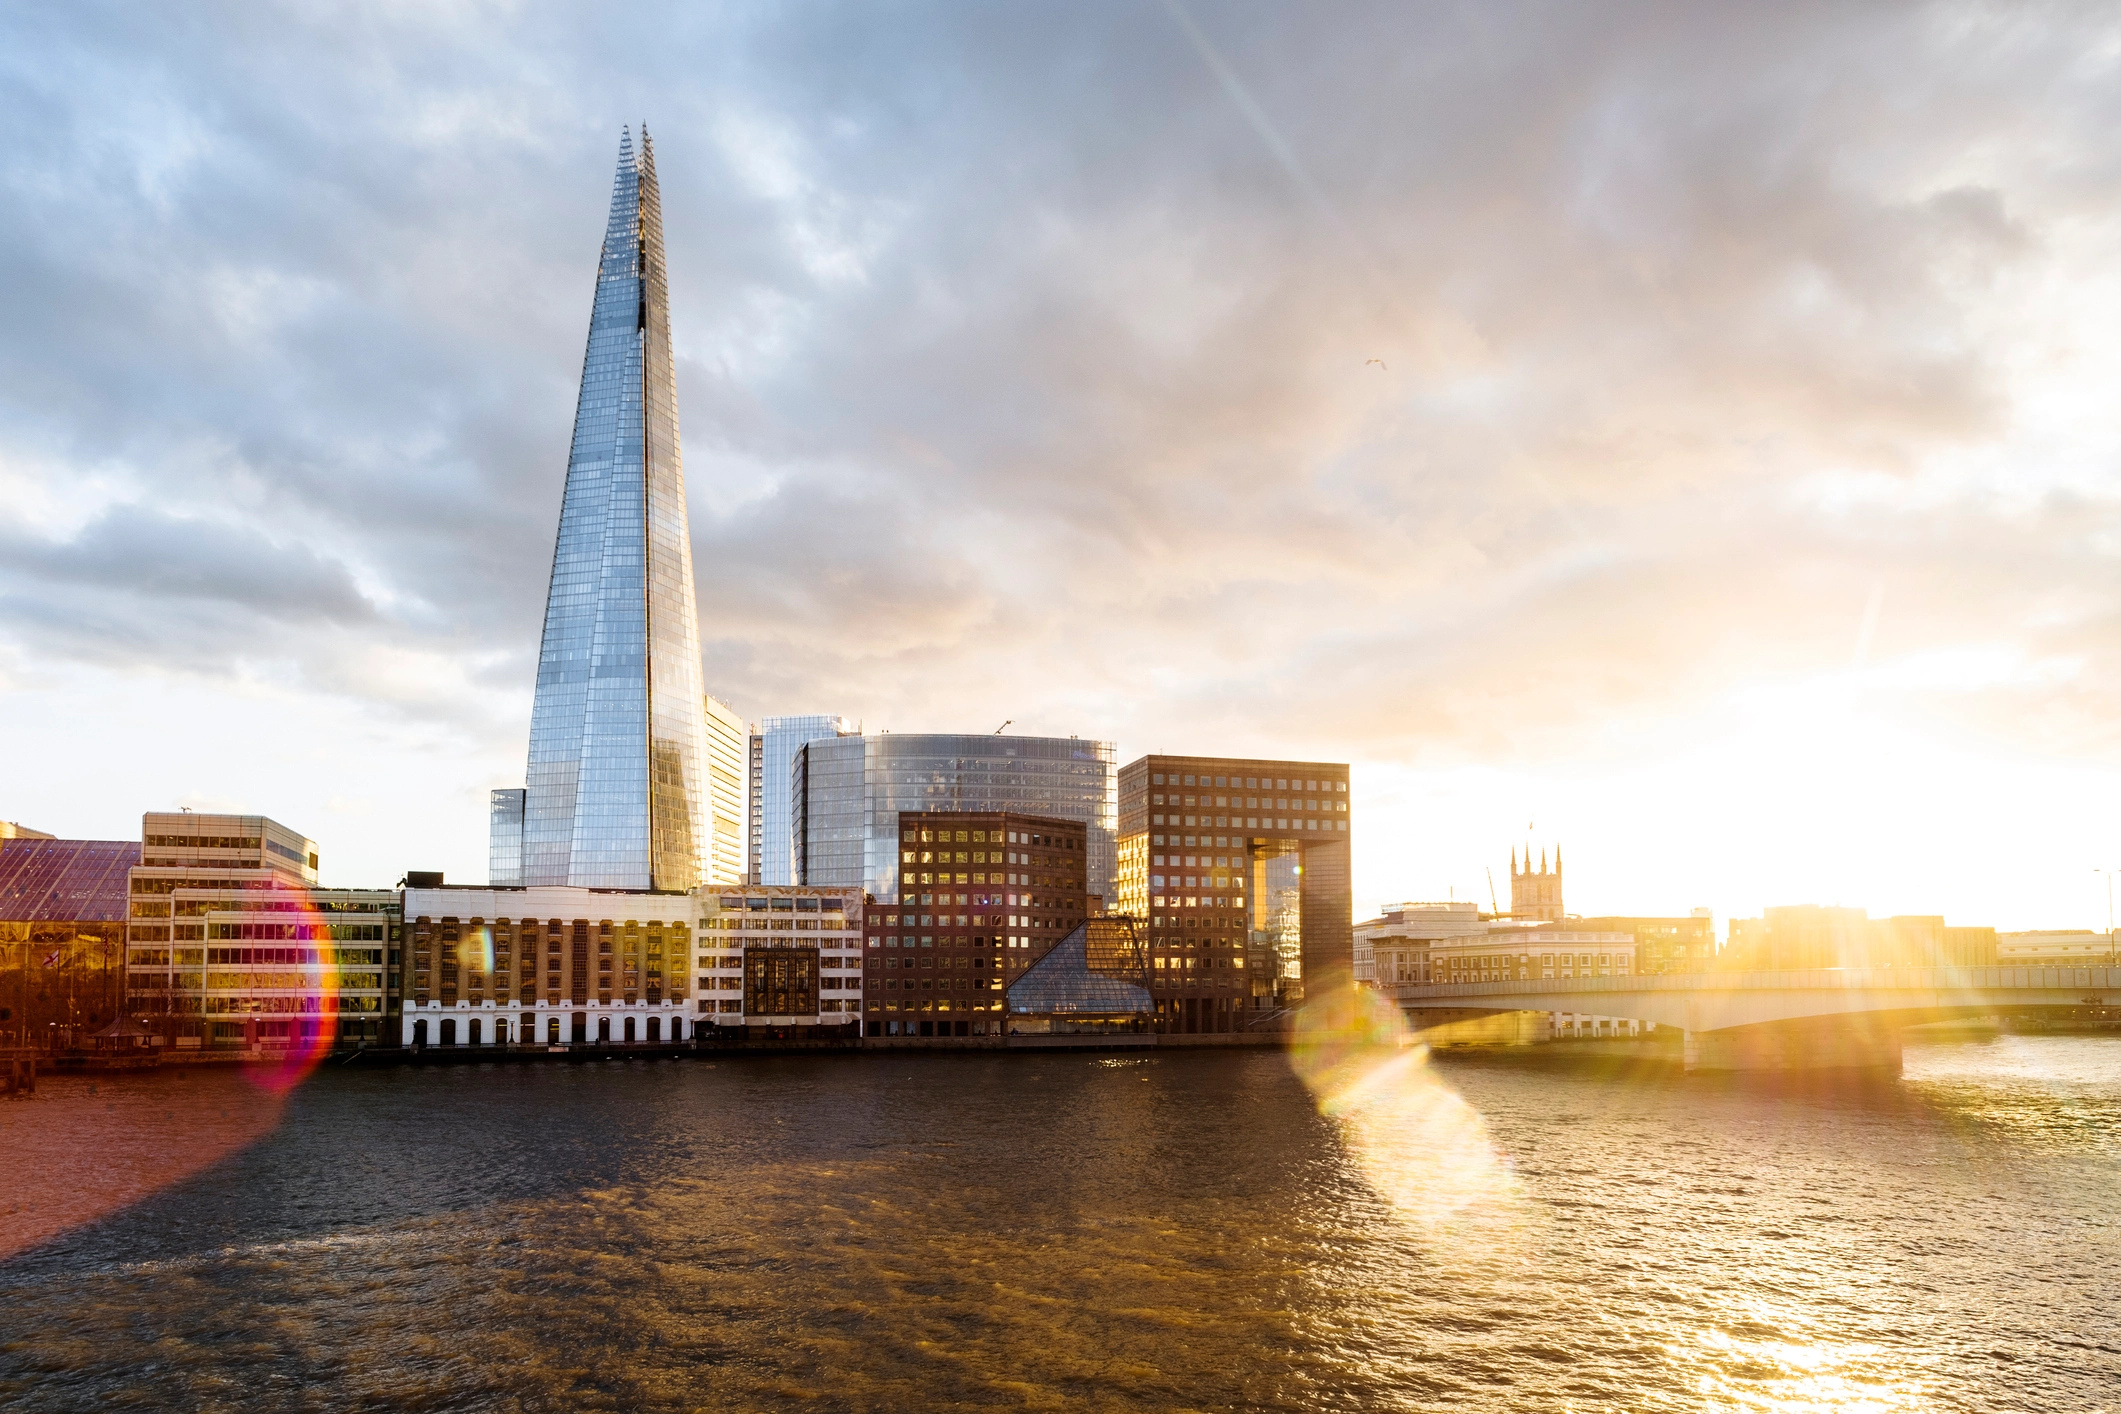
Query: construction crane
x,y
1004,726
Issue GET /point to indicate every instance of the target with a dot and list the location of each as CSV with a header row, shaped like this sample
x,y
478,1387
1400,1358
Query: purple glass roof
x,y
52,881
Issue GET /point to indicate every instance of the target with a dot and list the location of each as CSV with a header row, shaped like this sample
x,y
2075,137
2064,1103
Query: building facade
x,y
546,966
1663,944
728,794
858,787
1394,946
779,792
63,906
231,944
776,957
2065,947
616,788
1506,952
982,896
1240,870
1805,936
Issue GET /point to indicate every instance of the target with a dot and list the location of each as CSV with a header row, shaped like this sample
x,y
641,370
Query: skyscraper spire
x,y
617,744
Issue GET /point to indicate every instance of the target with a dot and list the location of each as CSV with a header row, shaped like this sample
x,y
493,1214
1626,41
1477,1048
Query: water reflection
x,y
1175,1231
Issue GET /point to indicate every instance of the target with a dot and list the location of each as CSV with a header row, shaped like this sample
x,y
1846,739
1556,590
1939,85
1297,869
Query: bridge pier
x,y
1841,1043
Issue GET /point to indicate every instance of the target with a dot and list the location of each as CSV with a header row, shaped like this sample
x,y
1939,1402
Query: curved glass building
x,y
857,785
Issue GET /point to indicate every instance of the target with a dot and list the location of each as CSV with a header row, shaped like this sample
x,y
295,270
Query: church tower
x,y
1535,896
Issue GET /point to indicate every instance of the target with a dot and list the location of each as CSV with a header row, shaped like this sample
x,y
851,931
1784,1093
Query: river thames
x,y
1168,1232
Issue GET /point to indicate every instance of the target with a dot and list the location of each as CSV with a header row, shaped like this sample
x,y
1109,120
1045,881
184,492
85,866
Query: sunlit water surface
x,y
1080,1232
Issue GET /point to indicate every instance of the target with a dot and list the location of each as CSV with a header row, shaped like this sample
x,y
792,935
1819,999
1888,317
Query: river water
x,y
1175,1231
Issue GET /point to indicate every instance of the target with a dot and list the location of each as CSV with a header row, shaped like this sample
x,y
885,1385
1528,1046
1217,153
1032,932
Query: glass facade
x,y
616,783
504,838
852,816
779,799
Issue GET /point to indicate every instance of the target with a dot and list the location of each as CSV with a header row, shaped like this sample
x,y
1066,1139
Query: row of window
x,y
1249,783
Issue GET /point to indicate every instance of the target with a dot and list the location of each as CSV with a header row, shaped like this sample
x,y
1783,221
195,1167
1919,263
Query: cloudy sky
x,y
1686,433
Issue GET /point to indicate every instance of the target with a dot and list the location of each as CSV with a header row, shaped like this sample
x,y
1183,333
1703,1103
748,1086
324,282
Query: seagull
x,y
1378,361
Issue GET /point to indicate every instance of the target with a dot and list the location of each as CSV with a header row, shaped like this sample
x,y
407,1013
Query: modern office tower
x,y
858,787
504,838
62,933
779,792
780,959
982,895
616,787
1240,869
1535,897
728,765
232,944
545,965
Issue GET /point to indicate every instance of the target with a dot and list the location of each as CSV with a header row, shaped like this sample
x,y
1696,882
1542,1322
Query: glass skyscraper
x,y
616,788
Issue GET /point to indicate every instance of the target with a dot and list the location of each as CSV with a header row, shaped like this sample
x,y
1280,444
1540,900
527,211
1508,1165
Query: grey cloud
x,y
1016,364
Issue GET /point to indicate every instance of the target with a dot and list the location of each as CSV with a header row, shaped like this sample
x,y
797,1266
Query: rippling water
x,y
1080,1232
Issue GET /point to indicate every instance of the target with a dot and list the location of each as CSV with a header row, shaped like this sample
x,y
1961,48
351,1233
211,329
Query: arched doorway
x,y
629,1030
500,1031
604,1029
419,1033
471,1032
655,1029
449,1032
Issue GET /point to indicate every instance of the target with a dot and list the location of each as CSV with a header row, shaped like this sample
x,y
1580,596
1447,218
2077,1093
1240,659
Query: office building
x,y
2063,947
780,960
63,906
1097,981
9,830
982,895
1239,868
728,765
1394,946
231,943
545,965
616,788
858,786
1803,936
1662,944
779,787
1506,952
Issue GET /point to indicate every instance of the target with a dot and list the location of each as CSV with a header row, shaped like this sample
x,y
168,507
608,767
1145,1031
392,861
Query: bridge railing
x,y
2091,980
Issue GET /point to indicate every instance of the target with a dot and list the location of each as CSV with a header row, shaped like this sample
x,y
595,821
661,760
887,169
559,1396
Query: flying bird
x,y
1378,361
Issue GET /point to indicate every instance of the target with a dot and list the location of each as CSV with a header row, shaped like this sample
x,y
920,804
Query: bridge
x,y
1828,1018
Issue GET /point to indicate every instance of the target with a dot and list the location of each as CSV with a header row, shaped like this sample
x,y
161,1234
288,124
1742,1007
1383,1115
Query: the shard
x,y
615,788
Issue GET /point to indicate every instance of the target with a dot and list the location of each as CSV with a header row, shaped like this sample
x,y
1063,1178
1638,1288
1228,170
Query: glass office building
x,y
616,788
779,793
858,786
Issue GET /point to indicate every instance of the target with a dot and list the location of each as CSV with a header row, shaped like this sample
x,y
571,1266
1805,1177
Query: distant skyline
x,y
1684,435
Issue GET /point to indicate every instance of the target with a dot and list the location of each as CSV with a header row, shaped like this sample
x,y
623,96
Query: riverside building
x,y
546,966
231,943
728,769
856,788
616,790
982,896
1521,952
63,906
779,961
1239,868
1395,946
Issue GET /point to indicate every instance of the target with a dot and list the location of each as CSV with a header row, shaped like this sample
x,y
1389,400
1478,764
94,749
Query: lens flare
x,y
291,1029
1417,1144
